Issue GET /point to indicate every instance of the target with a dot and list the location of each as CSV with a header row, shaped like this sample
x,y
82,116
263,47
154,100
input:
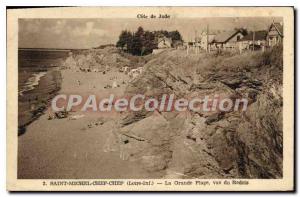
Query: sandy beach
x,y
98,145
64,148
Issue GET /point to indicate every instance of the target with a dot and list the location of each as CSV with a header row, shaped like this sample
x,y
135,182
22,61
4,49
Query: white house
x,y
164,42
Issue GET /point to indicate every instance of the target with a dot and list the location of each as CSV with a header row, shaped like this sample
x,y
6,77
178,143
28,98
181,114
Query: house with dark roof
x,y
256,39
275,34
226,40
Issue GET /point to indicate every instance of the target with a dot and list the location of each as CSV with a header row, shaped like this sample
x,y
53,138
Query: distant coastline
x,y
64,49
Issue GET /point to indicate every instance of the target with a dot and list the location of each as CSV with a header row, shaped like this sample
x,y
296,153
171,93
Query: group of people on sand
x,y
96,70
132,73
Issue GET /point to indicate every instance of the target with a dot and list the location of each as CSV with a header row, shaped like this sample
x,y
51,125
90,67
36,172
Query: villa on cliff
x,y
275,34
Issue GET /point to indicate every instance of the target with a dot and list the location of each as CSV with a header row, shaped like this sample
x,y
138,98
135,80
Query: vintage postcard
x,y
150,99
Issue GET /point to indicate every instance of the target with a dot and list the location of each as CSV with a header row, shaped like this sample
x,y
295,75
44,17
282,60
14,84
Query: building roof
x,y
259,35
225,36
278,26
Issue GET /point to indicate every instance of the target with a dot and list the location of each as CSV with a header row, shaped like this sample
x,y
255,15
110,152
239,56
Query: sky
x,y
92,32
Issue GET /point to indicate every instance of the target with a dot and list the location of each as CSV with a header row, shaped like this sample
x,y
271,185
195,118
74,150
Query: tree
x,y
175,35
143,42
125,39
138,41
149,43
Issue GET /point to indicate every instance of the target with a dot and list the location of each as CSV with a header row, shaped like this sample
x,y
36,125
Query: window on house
x,y
238,38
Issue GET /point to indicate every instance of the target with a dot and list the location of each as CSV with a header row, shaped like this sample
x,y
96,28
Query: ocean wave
x,y
32,82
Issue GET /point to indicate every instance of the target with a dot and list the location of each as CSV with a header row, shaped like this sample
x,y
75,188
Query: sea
x,y
39,80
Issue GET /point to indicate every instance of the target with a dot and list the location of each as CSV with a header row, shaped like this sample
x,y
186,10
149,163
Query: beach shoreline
x,y
35,101
59,148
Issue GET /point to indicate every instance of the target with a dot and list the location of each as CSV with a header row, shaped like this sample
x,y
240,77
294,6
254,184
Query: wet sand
x,y
33,103
70,149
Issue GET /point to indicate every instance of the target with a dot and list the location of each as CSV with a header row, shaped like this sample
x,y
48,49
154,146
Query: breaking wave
x,y
32,82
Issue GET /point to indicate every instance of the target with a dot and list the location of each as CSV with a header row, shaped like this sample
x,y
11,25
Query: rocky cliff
x,y
240,144
214,144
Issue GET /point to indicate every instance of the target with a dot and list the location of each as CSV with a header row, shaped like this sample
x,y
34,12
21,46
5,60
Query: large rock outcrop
x,y
240,144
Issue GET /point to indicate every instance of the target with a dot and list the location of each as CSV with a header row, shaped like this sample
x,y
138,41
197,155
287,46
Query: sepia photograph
x,y
151,98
